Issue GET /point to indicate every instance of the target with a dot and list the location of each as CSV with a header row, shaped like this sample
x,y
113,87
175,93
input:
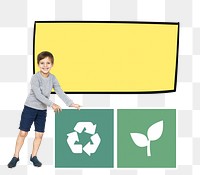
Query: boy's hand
x,y
77,106
56,108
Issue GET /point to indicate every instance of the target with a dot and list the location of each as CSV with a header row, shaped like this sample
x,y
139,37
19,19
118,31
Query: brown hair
x,y
45,54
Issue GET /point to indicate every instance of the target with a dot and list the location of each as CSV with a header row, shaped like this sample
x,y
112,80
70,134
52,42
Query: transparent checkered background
x,y
16,37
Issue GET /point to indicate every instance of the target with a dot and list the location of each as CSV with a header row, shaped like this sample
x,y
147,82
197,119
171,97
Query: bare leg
x,y
37,142
20,141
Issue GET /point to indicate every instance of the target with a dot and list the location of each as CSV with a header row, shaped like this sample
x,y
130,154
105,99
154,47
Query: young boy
x,y
35,108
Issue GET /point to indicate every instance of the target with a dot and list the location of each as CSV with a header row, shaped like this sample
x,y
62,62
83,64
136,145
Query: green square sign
x,y
84,138
146,138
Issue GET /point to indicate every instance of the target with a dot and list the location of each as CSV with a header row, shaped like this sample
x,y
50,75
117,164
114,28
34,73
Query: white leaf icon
x,y
155,131
139,139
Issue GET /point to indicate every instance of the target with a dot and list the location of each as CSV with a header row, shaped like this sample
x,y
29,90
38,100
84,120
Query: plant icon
x,y
154,133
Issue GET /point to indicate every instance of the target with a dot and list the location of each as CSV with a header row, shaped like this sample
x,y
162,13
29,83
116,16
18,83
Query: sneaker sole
x,y
33,164
15,165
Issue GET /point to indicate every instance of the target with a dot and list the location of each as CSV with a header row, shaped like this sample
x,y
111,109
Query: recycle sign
x,y
89,148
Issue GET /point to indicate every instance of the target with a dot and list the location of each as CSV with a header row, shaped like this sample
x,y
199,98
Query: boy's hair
x,y
45,54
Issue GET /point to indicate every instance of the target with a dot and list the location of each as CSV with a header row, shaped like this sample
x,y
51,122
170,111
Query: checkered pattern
x,y
16,37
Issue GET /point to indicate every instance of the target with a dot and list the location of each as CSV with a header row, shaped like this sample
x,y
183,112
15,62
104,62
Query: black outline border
x,y
118,22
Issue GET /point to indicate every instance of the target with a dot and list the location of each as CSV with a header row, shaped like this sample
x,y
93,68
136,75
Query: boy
x,y
35,107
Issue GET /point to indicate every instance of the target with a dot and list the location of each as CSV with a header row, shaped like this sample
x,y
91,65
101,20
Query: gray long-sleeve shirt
x,y
41,87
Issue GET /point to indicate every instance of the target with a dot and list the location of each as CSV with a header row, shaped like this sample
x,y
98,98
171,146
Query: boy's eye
x,y
46,63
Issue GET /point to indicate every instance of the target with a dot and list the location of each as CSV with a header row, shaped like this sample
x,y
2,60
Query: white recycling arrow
x,y
91,148
72,138
90,128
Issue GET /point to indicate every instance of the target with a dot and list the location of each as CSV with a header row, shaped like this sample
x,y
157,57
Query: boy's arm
x,y
38,94
60,93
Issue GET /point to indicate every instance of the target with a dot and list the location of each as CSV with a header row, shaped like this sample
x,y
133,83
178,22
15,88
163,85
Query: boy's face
x,y
45,65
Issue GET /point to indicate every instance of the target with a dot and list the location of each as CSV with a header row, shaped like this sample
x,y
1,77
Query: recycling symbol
x,y
89,148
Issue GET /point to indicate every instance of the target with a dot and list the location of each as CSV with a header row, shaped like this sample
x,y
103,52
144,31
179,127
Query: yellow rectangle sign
x,y
110,57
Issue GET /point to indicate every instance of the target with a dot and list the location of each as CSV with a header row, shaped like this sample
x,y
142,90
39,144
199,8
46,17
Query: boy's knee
x,y
23,133
38,135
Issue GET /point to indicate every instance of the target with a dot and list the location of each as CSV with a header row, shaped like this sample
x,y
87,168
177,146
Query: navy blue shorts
x,y
30,115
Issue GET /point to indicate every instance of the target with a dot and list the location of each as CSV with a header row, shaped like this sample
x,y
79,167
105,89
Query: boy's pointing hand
x,y
56,108
77,106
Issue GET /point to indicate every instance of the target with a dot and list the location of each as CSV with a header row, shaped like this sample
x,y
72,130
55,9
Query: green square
x,y
71,123
146,138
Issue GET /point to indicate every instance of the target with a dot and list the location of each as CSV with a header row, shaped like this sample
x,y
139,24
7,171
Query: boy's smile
x,y
45,66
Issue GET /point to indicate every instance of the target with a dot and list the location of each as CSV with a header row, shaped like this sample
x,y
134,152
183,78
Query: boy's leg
x,y
19,142
36,145
39,130
27,117
37,142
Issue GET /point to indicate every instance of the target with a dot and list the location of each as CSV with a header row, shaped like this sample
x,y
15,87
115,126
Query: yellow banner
x,y
110,57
